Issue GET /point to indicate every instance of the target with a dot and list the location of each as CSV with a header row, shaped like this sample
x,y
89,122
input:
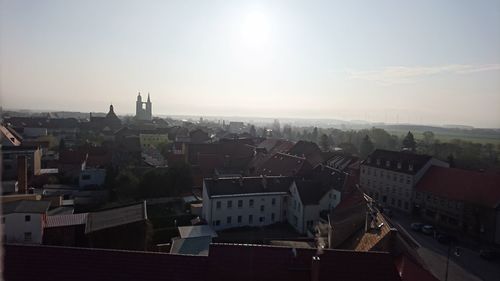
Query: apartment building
x,y
390,177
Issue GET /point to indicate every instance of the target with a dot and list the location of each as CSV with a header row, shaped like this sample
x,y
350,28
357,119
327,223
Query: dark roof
x,y
285,165
379,157
247,185
410,270
225,262
323,180
258,262
310,192
462,185
115,217
64,263
26,206
309,150
20,148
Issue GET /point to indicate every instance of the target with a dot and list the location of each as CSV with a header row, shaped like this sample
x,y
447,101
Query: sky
x,y
426,62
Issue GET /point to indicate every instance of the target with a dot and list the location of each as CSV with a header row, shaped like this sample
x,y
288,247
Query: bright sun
x,y
255,30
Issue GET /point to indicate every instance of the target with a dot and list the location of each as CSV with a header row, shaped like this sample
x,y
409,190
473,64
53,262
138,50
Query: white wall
x,y
15,226
213,214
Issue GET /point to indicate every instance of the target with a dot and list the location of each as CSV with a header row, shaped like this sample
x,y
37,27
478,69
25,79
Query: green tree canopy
x,y
366,146
409,142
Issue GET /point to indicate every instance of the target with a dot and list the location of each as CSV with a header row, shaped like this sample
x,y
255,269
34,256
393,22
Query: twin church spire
x,y
143,110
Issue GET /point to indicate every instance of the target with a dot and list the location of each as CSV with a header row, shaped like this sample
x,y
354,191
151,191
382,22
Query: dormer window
x,y
410,167
387,163
399,165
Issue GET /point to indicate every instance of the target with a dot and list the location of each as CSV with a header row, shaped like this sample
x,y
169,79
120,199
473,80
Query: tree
x,y
253,132
366,146
324,142
428,137
314,136
409,142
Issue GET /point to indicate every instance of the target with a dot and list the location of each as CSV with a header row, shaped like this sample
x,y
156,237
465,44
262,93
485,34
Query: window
x,y
27,236
384,199
393,201
262,208
273,201
27,218
399,203
408,180
239,219
229,204
228,220
334,196
406,205
250,203
3,219
272,216
217,222
240,203
261,219
85,177
250,219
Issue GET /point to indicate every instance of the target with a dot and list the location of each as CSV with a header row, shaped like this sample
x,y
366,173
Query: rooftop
x,y
115,217
399,161
25,206
247,185
462,185
196,231
191,246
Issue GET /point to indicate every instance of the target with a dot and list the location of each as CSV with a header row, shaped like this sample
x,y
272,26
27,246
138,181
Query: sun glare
x,y
255,30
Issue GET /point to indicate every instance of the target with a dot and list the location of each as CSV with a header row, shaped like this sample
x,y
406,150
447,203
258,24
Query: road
x,y
467,266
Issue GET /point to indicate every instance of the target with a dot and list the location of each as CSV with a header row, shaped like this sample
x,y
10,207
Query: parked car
x,y
416,226
488,254
428,229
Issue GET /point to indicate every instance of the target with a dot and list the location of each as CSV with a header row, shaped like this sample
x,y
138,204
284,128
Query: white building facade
x,y
390,177
24,221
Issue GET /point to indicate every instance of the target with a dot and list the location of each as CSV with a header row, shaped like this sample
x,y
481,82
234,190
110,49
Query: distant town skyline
x,y
420,62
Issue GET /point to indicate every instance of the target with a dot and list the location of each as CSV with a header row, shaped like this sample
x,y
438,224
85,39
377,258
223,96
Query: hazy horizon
x,y
424,62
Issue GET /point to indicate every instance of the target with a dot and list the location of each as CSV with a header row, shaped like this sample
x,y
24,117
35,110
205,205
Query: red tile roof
x,y
462,185
281,164
409,270
225,262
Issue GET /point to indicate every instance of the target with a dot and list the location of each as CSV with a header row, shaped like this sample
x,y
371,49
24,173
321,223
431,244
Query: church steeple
x,y
111,108
139,98
149,100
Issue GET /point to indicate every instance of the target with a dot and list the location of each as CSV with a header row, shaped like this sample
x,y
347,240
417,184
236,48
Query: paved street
x,y
467,266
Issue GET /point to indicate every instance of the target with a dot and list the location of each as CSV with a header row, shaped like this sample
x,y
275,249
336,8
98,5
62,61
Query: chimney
x,y
264,181
315,268
22,174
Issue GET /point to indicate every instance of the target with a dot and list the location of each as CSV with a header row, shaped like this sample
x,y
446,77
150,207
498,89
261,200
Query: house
x,y
282,164
309,199
461,200
91,177
390,177
245,201
308,150
24,220
10,156
124,227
